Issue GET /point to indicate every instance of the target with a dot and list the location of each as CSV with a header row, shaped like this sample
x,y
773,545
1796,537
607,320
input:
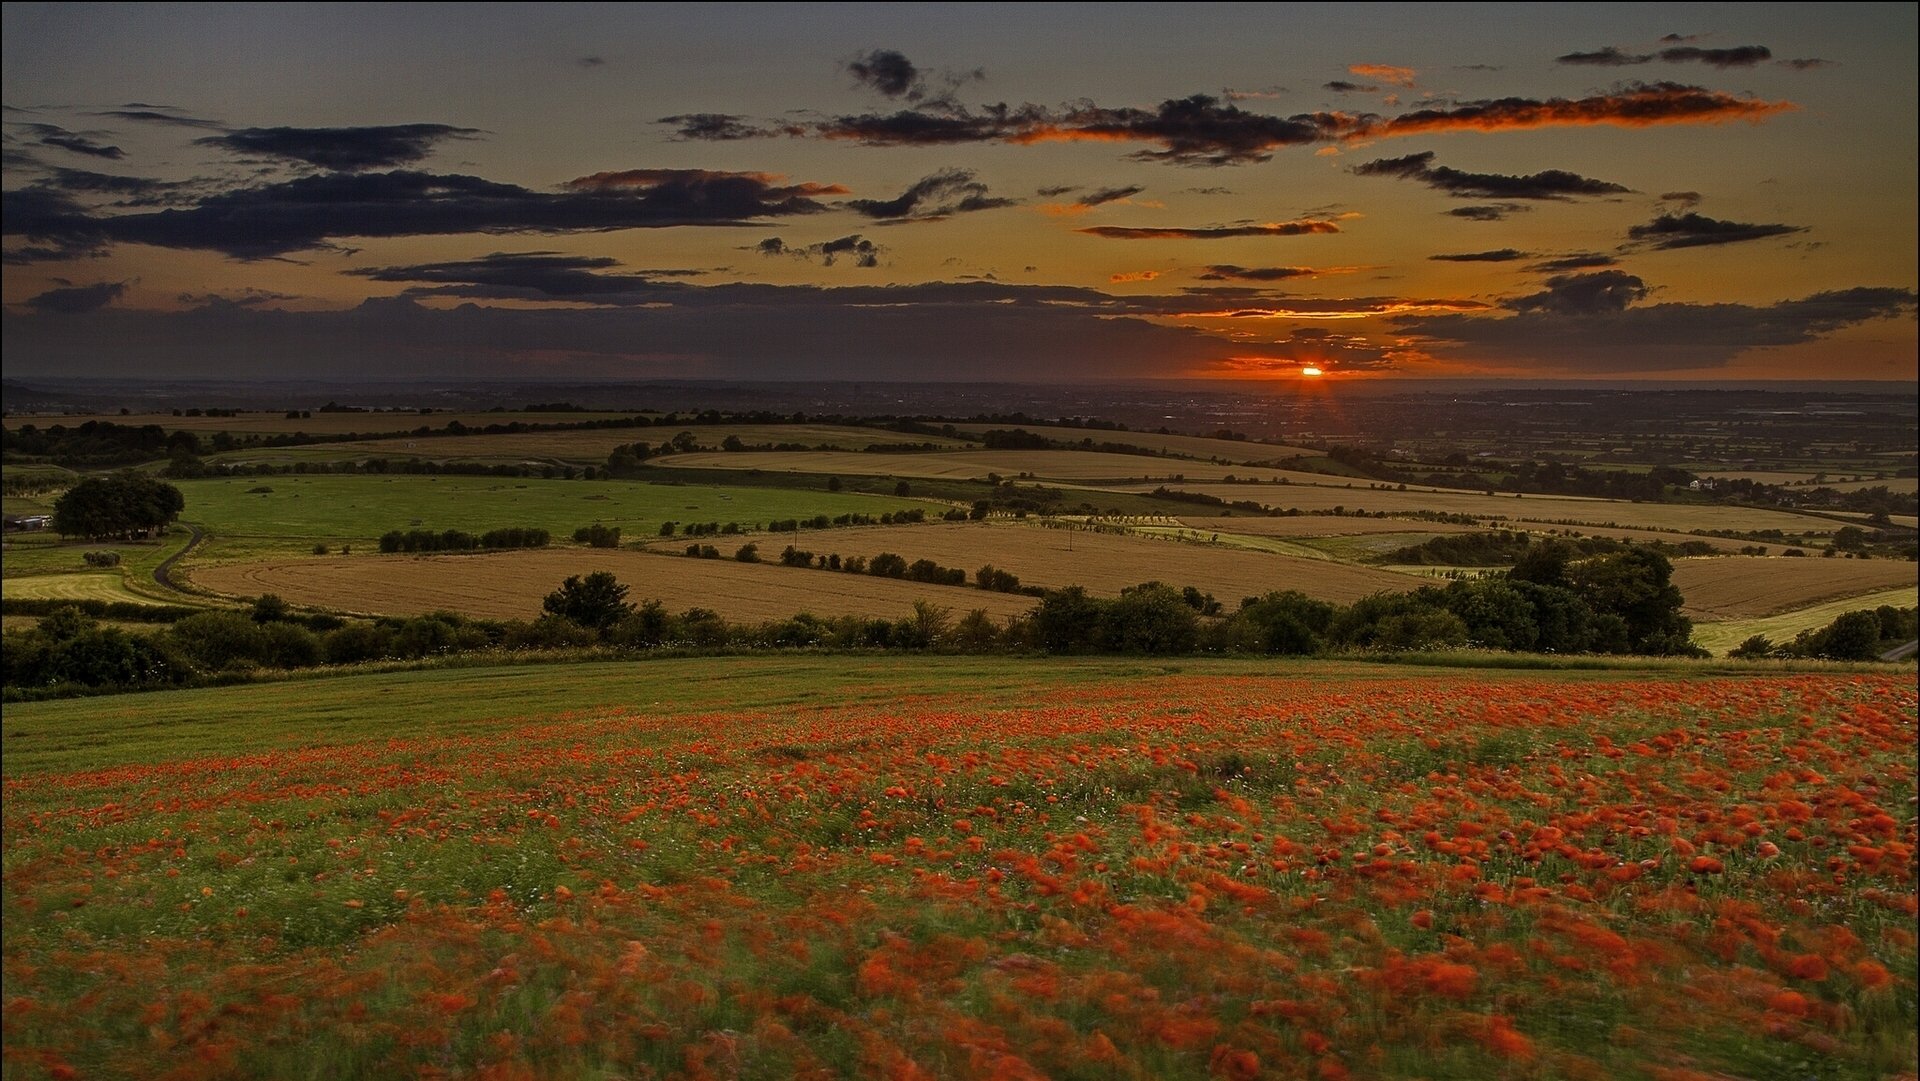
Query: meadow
x,y
970,868
1085,467
259,516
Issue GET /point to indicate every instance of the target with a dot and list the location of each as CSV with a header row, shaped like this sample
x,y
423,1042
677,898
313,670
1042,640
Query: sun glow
x,y
1311,373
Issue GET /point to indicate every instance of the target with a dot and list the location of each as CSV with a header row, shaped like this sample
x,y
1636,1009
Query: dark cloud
x,y
886,71
1583,294
932,198
1327,350
1688,198
865,253
1341,86
1109,195
1576,261
591,61
154,115
1496,212
245,298
75,299
1550,184
77,142
1689,230
1218,232
1056,190
314,211
342,149
1807,63
128,191
1742,56
1221,272
56,226
1502,255
1610,56
1583,328
542,274
719,127
1204,130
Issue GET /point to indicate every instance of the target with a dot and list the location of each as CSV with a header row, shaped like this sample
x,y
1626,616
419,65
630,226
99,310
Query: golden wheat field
x,y
1104,563
510,585
1675,517
593,445
1314,525
1737,587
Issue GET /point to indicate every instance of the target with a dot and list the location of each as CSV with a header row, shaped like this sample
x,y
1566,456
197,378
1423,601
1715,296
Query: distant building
x,y
24,523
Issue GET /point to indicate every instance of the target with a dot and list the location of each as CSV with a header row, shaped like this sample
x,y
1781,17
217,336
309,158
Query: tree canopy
x,y
124,505
597,601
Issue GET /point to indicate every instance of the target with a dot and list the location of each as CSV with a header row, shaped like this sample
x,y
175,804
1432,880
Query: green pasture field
x,y
261,516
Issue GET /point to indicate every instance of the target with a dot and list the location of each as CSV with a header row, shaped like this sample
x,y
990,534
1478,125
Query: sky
x,y
1047,193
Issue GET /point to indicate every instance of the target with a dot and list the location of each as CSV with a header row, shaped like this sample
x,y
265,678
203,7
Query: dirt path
x,y
163,573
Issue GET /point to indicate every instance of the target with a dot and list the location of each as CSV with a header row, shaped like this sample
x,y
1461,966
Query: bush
x,y
101,559
597,536
748,553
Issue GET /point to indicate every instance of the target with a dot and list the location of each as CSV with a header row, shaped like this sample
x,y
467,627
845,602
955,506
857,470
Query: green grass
x,y
256,516
1724,635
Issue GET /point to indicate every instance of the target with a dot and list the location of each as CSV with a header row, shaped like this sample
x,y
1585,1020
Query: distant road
x,y
163,573
1901,653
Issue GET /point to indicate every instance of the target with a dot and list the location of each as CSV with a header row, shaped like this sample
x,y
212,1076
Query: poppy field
x,y
1236,871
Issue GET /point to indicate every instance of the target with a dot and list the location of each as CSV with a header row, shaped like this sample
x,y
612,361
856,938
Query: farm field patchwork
x,y
250,515
1734,587
1077,466
589,447
979,867
276,422
1103,562
1193,446
1675,517
88,586
510,585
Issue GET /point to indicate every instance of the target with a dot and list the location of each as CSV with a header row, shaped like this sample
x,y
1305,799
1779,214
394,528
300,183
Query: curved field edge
x,y
1719,636
1062,869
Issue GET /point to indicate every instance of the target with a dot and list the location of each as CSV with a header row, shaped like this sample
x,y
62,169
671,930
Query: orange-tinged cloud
x,y
1299,227
1640,106
1386,73
1134,276
1340,309
649,178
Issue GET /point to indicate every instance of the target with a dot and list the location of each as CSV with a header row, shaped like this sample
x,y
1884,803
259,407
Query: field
x,y
1737,587
1067,466
1719,636
1675,517
1191,446
93,586
284,514
589,447
275,422
1104,563
966,868
510,585
1314,525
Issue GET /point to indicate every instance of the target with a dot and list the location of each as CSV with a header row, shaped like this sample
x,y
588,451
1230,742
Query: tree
x,y
597,601
1637,586
125,505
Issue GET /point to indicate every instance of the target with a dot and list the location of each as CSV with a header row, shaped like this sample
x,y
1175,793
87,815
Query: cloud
x,y
77,142
1636,105
1583,294
1341,86
591,61
246,298
1806,63
865,253
1576,261
1267,93
886,71
1100,197
1495,212
342,149
1742,56
1669,231
160,115
1684,198
534,274
1134,276
1312,346
1223,272
1501,255
720,127
127,190
1201,130
1598,328
1385,73
934,197
1283,228
1550,184
76,299
314,211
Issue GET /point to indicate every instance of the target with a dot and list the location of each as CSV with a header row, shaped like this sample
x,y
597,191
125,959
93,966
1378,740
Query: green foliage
x,y
125,505
597,601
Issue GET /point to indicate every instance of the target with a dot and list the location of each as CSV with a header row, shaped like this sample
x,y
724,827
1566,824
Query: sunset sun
x,y
1311,373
